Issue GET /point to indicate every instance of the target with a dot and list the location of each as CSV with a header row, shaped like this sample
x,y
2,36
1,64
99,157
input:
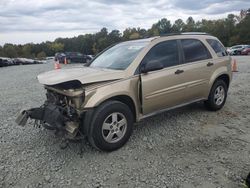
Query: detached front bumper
x,y
50,114
52,117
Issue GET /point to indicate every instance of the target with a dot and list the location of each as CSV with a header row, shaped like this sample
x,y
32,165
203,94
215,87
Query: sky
x,y
25,21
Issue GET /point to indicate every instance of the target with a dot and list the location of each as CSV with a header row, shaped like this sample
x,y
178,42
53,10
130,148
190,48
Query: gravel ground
x,y
188,147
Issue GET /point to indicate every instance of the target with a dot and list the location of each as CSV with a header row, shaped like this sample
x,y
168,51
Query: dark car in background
x,y
6,62
72,57
26,61
246,51
75,57
59,56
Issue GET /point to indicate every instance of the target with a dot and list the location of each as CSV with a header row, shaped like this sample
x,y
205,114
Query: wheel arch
x,y
224,73
88,115
224,76
126,100
221,73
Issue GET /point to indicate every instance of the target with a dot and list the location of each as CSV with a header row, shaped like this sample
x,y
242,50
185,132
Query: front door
x,y
163,88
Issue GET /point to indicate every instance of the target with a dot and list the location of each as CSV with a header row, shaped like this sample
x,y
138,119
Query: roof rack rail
x,y
184,33
194,33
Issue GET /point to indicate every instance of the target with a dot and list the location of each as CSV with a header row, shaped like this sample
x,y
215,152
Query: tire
x,y
105,131
217,96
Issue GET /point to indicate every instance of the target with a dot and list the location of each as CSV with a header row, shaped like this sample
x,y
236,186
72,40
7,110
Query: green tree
x,y
114,36
142,32
86,44
243,30
9,51
128,32
101,40
26,51
178,25
163,26
134,36
41,55
57,47
1,51
190,25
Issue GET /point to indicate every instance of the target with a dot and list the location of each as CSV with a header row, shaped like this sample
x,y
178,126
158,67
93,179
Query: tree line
x,y
232,30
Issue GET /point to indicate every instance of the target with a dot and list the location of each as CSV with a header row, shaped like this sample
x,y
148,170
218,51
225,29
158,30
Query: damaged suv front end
x,y
61,111
99,101
65,102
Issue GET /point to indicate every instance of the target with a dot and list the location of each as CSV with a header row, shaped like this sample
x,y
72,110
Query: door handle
x,y
179,71
210,64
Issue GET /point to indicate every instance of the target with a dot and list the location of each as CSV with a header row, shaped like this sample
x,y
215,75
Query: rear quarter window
x,y
218,48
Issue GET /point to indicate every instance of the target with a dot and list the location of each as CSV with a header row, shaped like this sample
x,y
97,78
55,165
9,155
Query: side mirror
x,y
151,66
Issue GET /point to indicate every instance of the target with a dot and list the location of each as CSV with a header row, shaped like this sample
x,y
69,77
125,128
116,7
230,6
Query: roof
x,y
149,39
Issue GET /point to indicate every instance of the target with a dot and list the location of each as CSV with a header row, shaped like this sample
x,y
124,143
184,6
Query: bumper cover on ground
x,y
49,113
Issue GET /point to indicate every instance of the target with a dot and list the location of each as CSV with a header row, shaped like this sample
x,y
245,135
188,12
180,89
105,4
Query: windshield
x,y
120,56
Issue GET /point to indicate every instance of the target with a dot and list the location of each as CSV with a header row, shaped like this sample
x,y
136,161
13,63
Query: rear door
x,y
197,66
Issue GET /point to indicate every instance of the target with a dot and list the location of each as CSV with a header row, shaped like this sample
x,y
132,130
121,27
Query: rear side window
x,y
217,47
194,50
164,52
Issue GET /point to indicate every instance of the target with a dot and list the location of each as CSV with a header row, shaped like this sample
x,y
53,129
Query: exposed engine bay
x,y
61,110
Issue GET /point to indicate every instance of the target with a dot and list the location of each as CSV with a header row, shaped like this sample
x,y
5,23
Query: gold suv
x,y
131,81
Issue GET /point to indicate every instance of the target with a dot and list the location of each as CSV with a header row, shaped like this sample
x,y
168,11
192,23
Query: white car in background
x,y
236,50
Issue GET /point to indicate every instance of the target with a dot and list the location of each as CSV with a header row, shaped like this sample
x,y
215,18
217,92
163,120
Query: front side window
x,y
164,52
119,57
217,47
194,50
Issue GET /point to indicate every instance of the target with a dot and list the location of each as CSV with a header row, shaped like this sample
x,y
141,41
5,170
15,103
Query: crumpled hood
x,y
83,74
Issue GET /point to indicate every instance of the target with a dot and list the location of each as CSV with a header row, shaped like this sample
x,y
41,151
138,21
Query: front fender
x,y
125,87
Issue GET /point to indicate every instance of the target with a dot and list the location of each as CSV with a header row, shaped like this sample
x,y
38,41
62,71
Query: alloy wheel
x,y
219,95
114,127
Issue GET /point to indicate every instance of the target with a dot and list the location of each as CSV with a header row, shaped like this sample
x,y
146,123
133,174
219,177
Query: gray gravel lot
x,y
187,147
